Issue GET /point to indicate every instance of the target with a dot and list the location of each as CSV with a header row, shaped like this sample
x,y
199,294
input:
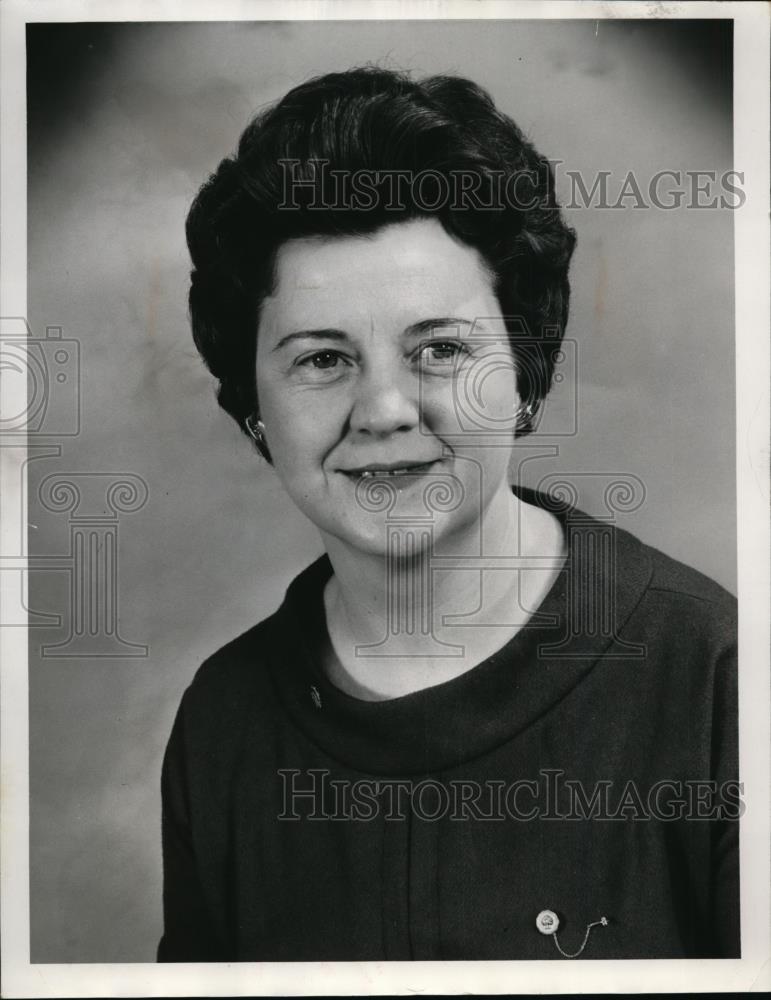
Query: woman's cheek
x,y
302,441
438,407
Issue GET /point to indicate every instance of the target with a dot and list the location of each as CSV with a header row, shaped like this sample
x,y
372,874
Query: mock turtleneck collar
x,y
437,728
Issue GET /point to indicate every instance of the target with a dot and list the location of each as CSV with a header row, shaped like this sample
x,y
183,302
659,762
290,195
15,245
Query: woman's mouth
x,y
390,471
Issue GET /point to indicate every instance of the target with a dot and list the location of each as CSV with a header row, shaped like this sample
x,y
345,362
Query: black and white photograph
x,y
384,455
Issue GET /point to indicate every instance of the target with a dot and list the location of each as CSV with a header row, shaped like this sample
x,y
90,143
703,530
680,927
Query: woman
x,y
431,750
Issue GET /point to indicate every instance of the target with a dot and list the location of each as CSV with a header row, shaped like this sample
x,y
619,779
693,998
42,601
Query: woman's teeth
x,y
371,473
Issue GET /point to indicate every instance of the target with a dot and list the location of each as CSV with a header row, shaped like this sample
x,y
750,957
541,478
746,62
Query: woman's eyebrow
x,y
427,325
323,334
330,333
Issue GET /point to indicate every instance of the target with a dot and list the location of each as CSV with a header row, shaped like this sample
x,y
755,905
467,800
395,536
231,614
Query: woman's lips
x,y
390,471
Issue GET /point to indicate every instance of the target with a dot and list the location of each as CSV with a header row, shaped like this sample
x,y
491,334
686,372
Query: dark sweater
x,y
531,782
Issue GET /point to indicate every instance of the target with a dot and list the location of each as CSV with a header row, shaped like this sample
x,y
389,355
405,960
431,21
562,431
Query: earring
x,y
256,429
524,414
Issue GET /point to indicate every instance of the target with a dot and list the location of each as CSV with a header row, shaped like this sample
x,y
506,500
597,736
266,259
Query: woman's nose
x,y
385,402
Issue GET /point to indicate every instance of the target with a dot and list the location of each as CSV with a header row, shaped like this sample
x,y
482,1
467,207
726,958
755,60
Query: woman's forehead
x,y
402,268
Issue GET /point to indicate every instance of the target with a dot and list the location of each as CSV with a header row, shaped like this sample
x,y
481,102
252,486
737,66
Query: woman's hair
x,y
348,153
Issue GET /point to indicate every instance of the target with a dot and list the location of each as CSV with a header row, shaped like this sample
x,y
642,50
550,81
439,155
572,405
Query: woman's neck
x,y
397,625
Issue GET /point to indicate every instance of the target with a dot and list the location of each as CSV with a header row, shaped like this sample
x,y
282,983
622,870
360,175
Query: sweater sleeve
x,y
189,934
726,911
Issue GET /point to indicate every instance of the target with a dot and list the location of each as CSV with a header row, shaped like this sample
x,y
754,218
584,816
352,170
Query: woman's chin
x,y
397,516
397,540
388,540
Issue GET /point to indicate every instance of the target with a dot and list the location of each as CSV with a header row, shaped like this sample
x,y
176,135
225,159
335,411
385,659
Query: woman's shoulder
x,y
229,690
240,661
238,673
682,613
603,548
681,583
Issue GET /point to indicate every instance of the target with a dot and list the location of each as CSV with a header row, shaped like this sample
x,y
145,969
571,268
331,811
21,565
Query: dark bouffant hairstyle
x,y
381,122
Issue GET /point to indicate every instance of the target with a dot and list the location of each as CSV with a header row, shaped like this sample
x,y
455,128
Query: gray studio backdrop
x,y
157,532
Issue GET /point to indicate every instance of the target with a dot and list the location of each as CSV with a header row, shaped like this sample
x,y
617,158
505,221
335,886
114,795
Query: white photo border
x,y
753,375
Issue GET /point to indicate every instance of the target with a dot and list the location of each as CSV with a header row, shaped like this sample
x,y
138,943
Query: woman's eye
x,y
441,353
322,359
322,364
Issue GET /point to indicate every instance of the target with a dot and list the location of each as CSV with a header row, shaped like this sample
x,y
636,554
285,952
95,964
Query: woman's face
x,y
384,368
